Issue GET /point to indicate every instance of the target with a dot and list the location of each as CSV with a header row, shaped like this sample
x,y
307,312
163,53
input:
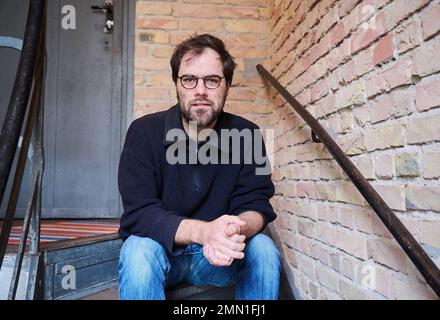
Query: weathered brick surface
x,y
368,71
431,165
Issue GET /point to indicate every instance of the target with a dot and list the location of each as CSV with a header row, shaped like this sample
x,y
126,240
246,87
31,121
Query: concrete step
x,y
181,292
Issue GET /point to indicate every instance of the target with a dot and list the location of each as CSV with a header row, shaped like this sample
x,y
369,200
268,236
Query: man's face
x,y
201,104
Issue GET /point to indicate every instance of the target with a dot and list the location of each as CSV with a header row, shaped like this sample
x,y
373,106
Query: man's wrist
x,y
197,227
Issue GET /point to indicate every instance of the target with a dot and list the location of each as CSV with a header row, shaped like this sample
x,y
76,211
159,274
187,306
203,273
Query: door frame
x,y
127,83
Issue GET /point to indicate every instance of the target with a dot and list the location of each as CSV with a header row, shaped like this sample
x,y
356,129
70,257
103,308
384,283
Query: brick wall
x,y
161,25
369,70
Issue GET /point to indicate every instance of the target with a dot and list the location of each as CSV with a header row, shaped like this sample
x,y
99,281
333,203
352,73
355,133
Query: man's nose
x,y
200,88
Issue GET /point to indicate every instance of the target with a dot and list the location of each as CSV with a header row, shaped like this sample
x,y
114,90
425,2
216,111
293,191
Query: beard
x,y
204,116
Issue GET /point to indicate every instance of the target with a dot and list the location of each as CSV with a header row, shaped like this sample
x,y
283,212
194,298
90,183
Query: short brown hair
x,y
197,44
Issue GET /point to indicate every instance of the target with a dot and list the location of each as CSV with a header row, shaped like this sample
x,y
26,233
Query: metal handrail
x,y
409,244
28,83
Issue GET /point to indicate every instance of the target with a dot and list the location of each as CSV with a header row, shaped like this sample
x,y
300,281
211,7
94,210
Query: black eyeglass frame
x,y
197,81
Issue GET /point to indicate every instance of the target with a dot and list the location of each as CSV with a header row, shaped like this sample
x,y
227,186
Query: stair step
x,y
91,263
106,294
181,292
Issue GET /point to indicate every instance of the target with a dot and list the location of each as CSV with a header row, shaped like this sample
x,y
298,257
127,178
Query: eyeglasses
x,y
210,82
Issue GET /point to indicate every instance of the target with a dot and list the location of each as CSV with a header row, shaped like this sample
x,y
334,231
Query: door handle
x,y
108,10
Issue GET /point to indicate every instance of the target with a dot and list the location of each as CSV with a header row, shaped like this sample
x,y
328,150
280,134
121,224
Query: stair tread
x,y
181,292
106,294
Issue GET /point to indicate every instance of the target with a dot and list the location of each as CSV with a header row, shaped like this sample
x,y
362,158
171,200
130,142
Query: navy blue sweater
x,y
157,195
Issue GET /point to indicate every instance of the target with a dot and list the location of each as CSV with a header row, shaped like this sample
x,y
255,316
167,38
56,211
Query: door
x,y
87,92
88,105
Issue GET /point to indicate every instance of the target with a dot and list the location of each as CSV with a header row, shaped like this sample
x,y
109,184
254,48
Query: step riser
x,y
72,273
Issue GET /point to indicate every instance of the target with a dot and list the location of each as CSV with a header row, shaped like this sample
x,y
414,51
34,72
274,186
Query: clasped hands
x,y
223,240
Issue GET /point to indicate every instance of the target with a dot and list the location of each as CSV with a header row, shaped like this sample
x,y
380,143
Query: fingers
x,y
233,219
218,254
229,253
216,258
231,248
230,244
238,238
232,229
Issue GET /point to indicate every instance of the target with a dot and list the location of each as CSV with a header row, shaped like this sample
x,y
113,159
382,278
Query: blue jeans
x,y
146,269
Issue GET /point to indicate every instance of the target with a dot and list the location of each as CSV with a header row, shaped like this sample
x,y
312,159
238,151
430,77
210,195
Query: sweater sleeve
x,y
254,186
144,214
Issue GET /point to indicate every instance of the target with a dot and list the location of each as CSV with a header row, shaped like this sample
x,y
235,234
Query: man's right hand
x,y
219,246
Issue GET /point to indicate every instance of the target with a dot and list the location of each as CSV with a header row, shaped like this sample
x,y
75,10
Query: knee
x,y
261,249
141,257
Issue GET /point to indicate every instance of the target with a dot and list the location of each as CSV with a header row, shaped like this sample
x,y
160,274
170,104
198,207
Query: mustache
x,y
205,101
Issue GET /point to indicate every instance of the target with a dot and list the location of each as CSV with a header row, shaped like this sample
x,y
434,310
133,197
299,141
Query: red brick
x,y
337,34
153,8
326,22
242,39
431,165
201,25
353,94
399,10
319,89
392,77
369,33
246,25
396,104
423,197
389,253
384,137
194,10
348,71
409,36
422,130
363,62
350,242
151,93
398,75
426,59
429,231
384,49
178,36
385,166
259,3
156,23
233,12
393,195
428,94
431,22
237,93
346,6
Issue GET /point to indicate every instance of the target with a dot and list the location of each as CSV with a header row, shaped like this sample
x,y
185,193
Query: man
x,y
187,221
